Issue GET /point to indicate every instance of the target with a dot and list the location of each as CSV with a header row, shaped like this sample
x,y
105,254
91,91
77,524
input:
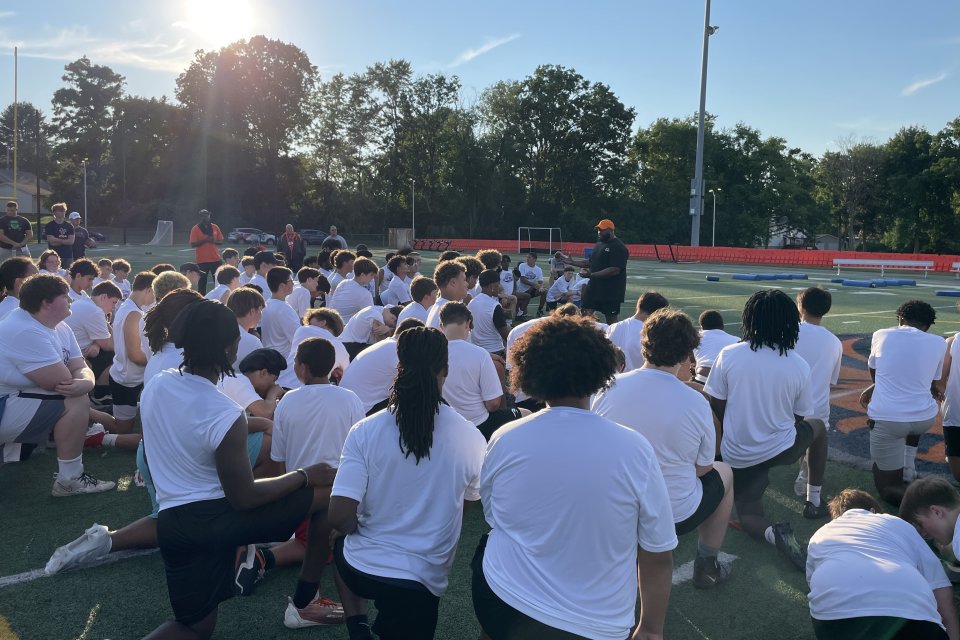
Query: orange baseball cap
x,y
605,224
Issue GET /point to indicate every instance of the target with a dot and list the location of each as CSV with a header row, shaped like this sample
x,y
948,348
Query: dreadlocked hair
x,y
770,319
156,323
205,330
415,396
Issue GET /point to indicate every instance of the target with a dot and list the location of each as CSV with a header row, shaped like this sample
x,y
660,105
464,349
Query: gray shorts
x,y
888,439
27,421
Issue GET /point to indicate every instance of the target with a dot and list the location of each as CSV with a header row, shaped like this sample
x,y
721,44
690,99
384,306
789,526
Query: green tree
x,y
33,138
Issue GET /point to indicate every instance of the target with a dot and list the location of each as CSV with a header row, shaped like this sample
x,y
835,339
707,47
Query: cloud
x,y
911,89
486,47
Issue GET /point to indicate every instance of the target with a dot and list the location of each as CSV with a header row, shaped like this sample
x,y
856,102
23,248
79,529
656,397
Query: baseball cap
x,y
204,212
73,216
605,224
269,359
488,277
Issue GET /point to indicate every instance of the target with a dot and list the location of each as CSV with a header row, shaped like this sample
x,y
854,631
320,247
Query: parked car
x,y
99,237
313,236
250,235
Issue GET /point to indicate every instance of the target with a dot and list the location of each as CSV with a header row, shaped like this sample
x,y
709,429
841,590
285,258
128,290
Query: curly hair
x,y
415,397
491,258
669,337
205,330
329,315
771,319
156,324
562,357
447,271
917,312
471,266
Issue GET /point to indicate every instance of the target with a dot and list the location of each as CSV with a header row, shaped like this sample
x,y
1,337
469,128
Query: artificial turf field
x,y
766,598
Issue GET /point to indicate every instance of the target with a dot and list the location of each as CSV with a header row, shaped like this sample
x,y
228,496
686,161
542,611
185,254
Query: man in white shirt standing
x,y
279,321
352,295
45,382
451,279
906,364
423,292
627,333
490,328
712,341
760,390
677,422
823,351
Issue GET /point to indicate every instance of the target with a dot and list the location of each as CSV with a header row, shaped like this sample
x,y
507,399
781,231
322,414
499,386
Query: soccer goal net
x,y
539,240
164,234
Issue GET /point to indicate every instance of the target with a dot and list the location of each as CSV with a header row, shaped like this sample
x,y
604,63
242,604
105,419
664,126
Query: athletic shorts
x,y
749,483
606,307
888,439
27,419
951,440
254,444
198,543
713,492
125,399
497,419
497,618
872,627
100,363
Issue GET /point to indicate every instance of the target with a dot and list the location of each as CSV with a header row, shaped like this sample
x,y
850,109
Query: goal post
x,y
539,240
164,234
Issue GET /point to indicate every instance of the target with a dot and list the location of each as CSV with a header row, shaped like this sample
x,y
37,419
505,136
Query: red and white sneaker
x,y
321,611
95,433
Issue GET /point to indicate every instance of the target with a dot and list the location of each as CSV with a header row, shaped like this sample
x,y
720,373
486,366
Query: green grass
x,y
766,598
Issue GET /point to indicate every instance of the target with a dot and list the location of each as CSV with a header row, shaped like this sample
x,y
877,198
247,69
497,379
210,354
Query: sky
x,y
818,74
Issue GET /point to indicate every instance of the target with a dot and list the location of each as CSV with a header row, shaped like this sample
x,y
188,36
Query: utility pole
x,y
696,186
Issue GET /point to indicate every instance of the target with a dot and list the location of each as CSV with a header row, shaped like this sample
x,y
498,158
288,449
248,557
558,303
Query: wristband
x,y
306,478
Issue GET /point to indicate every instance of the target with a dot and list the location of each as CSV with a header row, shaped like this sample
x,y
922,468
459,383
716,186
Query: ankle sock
x,y
813,495
703,551
768,535
305,593
910,457
268,560
109,439
358,628
70,469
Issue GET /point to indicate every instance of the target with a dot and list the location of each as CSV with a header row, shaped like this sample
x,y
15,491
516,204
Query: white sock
x,y
813,495
110,439
768,535
909,457
70,469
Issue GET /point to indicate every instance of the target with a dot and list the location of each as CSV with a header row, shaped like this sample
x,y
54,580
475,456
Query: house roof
x,y
26,181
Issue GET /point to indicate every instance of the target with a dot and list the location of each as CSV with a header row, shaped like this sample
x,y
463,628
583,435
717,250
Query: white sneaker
x,y
84,484
321,611
94,544
800,484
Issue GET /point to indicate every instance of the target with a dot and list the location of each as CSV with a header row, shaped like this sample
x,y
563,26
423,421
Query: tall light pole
x,y
696,187
413,208
713,236
86,217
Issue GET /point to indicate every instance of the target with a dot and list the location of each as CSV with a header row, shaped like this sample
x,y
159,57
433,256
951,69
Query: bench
x,y
867,263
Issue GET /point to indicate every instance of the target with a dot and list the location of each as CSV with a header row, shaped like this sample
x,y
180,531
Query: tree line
x,y
259,138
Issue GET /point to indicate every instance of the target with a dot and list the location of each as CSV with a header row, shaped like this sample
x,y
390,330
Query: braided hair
x,y
205,330
156,324
415,396
770,319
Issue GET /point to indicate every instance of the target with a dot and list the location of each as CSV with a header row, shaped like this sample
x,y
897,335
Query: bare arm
x,y
655,572
27,238
81,379
342,514
702,471
493,405
719,407
50,376
948,611
131,340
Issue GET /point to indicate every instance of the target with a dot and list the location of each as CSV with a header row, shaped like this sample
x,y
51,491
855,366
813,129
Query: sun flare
x,y
220,22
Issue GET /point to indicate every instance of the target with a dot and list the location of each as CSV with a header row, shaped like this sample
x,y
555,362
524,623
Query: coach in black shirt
x,y
15,233
60,235
608,274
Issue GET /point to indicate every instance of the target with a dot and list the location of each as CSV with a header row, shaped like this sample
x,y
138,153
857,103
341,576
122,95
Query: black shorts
x,y
124,395
100,363
749,483
498,619
198,542
354,348
951,441
497,419
531,404
713,491
594,303
405,609
871,627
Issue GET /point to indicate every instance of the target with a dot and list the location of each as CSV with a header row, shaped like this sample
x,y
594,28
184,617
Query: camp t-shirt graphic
x,y
14,228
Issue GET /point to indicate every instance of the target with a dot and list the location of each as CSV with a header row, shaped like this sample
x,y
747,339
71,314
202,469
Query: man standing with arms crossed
x,y
60,235
15,233
204,238
608,273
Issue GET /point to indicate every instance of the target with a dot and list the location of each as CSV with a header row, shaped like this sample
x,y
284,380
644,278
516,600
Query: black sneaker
x,y
250,570
811,512
709,572
787,545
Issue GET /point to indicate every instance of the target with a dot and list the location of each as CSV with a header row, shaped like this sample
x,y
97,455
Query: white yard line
x,y
29,576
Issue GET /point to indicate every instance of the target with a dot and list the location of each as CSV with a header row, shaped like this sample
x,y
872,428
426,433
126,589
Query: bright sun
x,y
220,22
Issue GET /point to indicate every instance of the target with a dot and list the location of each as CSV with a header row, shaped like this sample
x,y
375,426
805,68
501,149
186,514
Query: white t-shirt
x,y
471,379
951,403
507,281
627,334
410,513
304,435
261,282
88,322
299,300
515,333
124,286
823,351
485,333
244,278
907,361
712,342
676,420
764,391
27,345
533,274
169,357
414,310
8,304
570,496
349,298
956,539
180,438
360,327
335,279
75,297
559,287
872,564
433,316
279,324
123,370
287,377
248,344
217,292
239,389
372,372
397,292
